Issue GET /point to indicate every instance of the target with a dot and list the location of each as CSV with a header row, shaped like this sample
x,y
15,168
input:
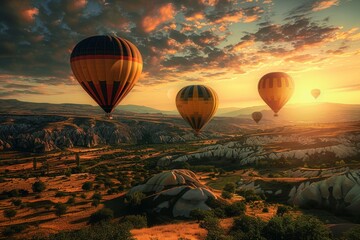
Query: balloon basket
x,y
109,116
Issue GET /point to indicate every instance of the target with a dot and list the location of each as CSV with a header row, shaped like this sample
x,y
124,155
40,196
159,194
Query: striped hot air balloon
x,y
107,67
276,89
197,104
256,116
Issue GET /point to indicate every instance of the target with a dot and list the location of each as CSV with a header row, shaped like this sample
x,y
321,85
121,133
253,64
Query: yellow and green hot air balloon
x,y
107,67
276,88
197,104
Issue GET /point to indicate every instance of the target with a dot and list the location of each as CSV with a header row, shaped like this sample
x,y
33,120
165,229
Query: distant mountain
x,y
13,106
241,111
311,112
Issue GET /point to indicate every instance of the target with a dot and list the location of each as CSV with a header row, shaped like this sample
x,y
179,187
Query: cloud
x,y
163,14
313,6
347,88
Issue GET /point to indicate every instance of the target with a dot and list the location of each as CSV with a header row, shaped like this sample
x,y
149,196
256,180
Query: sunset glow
x,y
227,45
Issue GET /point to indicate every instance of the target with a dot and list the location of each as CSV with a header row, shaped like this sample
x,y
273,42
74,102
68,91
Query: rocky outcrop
x,y
47,133
339,193
177,192
256,148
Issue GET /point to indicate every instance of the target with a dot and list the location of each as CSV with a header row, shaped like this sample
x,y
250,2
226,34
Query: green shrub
x,y
16,202
265,210
60,209
11,230
282,210
87,186
135,198
226,194
235,209
230,187
9,213
38,186
200,214
135,221
105,231
102,215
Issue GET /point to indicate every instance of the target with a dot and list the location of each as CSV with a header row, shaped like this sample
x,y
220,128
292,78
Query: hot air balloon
x,y
107,67
315,93
276,89
197,104
256,116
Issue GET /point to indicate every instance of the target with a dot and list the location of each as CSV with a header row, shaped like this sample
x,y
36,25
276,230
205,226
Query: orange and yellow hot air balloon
x,y
276,88
107,67
256,116
197,104
315,93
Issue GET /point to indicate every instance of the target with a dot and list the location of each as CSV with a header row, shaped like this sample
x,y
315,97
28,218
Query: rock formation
x,y
176,191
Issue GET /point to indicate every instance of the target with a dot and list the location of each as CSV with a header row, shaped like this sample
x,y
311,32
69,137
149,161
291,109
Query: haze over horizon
x,y
227,45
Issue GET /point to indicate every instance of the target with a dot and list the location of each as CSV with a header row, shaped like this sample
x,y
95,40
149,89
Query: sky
x,y
225,44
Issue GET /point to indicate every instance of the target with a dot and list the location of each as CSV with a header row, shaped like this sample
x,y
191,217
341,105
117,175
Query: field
x,y
114,169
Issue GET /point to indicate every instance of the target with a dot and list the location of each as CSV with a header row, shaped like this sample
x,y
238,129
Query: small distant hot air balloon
x,y
276,88
256,116
197,104
107,67
315,93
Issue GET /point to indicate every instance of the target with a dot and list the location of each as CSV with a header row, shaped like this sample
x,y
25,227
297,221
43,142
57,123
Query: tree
x,y
38,186
307,227
235,209
230,187
282,210
87,186
102,215
9,213
60,209
250,226
226,194
77,159
34,164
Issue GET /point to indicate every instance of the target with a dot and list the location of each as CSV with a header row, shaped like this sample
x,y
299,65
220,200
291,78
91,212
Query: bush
x,y
60,209
87,186
135,198
16,202
105,231
210,223
235,209
135,221
282,210
265,210
250,195
95,202
11,230
96,196
61,194
250,226
200,214
71,200
38,186
226,194
103,215
353,233
230,187
9,213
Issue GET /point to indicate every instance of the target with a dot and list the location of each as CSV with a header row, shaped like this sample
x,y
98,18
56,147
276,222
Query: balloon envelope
x,y
197,104
276,88
315,93
257,116
107,67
